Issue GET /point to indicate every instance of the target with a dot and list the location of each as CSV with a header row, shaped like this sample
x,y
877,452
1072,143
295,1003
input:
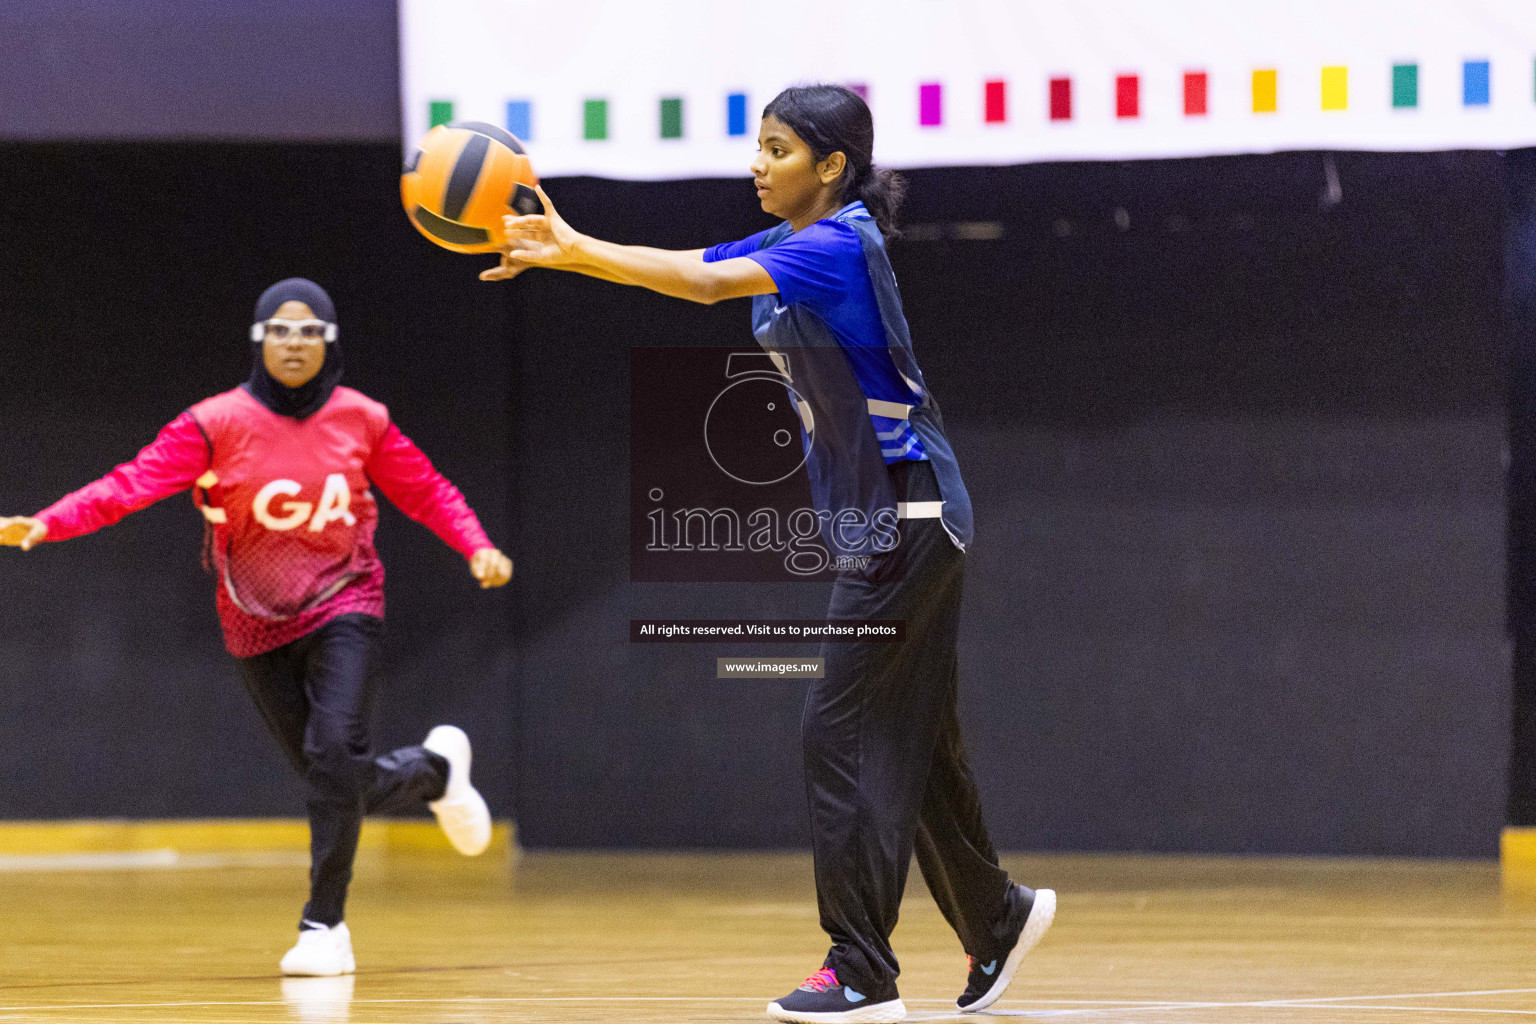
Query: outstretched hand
x,y
505,271
541,239
490,567
22,532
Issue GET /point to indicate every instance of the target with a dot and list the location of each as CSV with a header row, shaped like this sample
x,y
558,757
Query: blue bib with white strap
x,y
851,437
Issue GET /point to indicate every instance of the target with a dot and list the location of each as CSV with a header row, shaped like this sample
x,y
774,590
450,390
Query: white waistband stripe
x,y
894,410
919,510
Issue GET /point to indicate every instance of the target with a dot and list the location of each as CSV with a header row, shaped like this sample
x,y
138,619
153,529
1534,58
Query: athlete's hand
x,y
540,240
505,272
22,532
490,567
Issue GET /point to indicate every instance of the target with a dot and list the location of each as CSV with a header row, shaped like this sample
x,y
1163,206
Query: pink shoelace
x,y
820,981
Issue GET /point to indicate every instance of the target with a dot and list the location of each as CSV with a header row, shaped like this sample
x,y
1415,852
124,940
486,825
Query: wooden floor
x,y
689,938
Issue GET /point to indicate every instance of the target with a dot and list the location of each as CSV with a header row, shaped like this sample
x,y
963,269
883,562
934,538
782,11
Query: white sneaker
x,y
321,952
461,811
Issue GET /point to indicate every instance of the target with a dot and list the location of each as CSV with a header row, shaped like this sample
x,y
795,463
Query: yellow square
x,y
1335,88
1265,91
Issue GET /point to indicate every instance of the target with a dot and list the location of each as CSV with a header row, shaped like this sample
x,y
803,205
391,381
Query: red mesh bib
x,y
291,514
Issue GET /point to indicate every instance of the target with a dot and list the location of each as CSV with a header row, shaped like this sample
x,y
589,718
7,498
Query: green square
x,y
440,112
595,119
1405,85
672,118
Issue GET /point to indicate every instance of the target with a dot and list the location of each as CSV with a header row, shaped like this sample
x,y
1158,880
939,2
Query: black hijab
x,y
311,396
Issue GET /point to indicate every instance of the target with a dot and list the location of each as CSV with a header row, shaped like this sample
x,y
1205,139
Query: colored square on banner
x,y
930,103
1196,83
1061,99
1474,83
672,118
439,112
1266,91
1127,96
594,120
520,119
996,102
1405,85
861,89
736,114
1335,88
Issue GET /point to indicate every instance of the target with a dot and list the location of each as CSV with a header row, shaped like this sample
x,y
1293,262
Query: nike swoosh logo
x,y
779,309
852,996
989,968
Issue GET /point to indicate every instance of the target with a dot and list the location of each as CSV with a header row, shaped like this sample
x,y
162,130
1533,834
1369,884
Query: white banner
x,y
674,88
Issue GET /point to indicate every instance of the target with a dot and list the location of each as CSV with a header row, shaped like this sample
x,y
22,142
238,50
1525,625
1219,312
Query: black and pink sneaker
x,y
822,999
989,979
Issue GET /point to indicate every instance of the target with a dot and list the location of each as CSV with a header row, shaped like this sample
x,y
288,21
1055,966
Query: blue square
x,y
520,119
736,113
1474,83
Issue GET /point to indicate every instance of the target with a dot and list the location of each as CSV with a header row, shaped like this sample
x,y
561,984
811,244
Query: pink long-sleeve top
x,y
289,504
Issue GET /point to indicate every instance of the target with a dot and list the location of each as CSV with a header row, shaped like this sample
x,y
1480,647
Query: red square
x,y
1194,93
1127,96
1061,99
997,102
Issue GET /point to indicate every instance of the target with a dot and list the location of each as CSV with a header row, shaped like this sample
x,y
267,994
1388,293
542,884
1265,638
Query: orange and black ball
x,y
465,177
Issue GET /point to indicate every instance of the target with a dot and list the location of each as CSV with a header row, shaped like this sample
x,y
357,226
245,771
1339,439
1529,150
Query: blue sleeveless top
x,y
837,332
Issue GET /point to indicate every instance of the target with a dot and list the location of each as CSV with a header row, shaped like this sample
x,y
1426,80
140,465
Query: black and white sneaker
x,y
822,999
989,980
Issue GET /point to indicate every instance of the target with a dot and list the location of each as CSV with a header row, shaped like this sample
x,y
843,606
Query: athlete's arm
x,y
408,478
546,240
168,465
510,269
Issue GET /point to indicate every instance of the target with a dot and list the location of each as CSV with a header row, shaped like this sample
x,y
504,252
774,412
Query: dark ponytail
x,y
832,119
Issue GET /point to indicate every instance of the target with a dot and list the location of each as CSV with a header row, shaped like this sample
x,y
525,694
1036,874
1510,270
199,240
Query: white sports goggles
x,y
313,331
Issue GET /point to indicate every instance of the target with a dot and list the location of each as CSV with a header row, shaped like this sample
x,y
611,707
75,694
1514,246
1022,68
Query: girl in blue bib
x,y
886,771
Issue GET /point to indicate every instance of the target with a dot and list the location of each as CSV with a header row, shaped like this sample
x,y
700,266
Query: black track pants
x,y
316,695
885,768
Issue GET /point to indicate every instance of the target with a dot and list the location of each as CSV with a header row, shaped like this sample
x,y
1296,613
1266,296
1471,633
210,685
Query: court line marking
x,y
1323,1000
1410,995
375,972
148,860
1208,1006
1258,1005
1439,1009
1318,1002
1072,1002
1100,1006
464,1000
